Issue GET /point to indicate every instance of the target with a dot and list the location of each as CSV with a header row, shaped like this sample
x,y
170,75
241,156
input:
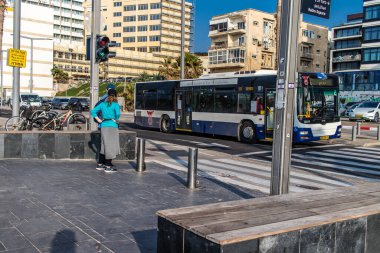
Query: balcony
x,y
230,63
231,58
347,58
306,55
233,30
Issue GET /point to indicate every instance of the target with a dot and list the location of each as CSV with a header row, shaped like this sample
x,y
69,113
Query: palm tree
x,y
3,8
171,70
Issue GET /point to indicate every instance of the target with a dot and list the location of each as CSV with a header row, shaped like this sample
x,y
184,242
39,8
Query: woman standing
x,y
110,146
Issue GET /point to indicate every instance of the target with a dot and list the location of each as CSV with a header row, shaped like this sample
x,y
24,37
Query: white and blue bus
x,y
239,105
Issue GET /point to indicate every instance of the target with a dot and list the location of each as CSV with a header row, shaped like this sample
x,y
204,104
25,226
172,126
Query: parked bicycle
x,y
21,123
58,122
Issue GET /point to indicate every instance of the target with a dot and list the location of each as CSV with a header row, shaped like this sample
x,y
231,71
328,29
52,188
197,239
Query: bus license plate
x,y
324,137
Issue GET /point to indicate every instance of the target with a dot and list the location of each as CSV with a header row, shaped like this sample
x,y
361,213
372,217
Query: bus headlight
x,y
304,132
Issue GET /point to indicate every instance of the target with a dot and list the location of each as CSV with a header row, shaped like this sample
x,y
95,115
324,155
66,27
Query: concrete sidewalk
x,y
68,206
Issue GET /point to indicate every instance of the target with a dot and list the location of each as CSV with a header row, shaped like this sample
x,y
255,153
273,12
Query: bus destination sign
x,y
319,8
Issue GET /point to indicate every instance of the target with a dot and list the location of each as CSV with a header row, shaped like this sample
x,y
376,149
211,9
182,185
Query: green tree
x,y
59,75
144,77
171,68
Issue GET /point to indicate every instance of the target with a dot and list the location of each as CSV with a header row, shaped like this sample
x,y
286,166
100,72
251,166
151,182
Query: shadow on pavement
x,y
178,178
146,240
64,242
230,188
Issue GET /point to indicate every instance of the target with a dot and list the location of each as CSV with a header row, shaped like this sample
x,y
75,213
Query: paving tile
x,y
96,209
11,239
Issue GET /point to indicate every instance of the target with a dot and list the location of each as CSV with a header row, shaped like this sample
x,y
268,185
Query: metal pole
x,y
354,131
2,79
192,167
286,82
378,133
16,71
358,127
31,66
94,80
183,27
140,155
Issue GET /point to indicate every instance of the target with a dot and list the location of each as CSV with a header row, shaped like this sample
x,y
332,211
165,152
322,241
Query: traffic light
x,y
102,51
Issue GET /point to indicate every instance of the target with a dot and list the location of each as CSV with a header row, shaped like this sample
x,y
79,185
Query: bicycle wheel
x,y
44,123
36,114
15,123
77,119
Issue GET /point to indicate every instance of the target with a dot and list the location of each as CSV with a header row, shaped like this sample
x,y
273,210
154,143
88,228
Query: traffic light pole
x,y
284,107
94,80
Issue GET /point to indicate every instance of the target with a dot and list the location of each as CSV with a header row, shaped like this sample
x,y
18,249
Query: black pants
x,y
104,161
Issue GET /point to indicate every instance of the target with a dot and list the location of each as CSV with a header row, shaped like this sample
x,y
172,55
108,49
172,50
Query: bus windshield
x,y
317,104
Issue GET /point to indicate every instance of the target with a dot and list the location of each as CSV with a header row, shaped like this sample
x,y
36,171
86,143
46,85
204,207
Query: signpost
x,y
16,58
287,81
319,8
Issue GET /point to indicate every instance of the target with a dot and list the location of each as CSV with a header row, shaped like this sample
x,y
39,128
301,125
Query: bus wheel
x,y
165,124
247,132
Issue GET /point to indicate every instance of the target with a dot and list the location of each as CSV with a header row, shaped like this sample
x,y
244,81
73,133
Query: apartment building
x,y
246,40
356,54
313,48
40,28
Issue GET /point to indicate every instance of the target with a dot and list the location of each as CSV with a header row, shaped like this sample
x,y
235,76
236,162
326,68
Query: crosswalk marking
x,y
353,153
364,151
348,155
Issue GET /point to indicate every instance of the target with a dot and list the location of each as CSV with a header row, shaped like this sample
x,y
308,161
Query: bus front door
x,y
183,113
270,98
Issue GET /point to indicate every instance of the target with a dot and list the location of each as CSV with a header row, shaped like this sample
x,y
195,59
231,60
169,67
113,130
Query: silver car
x,y
366,111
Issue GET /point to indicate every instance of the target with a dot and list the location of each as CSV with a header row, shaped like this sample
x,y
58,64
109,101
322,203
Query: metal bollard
x,y
378,133
354,132
192,168
358,127
140,155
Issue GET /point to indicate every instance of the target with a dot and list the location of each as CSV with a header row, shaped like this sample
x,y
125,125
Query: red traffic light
x,y
103,41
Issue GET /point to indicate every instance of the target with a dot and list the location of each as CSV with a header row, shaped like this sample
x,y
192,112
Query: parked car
x,y
79,104
46,102
366,111
60,103
351,108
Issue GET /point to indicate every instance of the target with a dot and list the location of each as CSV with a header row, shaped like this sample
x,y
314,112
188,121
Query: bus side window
x,y
244,102
203,100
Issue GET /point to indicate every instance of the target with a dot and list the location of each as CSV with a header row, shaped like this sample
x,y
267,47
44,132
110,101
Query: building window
x,y
80,57
142,49
154,38
155,16
154,6
372,12
129,18
308,34
117,24
129,48
60,55
347,43
371,55
221,27
347,32
67,55
129,29
130,8
117,14
142,28
155,49
346,66
129,39
154,27
143,7
318,51
117,35
142,39
143,17
117,4
241,25
305,63
372,33
74,56
317,65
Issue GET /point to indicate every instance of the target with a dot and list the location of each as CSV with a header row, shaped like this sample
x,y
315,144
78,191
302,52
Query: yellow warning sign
x,y
16,58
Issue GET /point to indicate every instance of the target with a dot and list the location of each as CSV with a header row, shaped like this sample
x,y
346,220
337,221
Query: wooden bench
x,y
342,220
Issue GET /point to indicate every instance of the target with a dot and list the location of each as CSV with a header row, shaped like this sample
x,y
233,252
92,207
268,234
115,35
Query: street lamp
x,y
31,57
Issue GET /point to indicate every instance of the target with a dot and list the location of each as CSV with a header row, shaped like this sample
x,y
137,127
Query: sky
x,y
206,9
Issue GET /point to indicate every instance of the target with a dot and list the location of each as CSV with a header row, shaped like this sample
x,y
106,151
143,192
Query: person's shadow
x,y
64,242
